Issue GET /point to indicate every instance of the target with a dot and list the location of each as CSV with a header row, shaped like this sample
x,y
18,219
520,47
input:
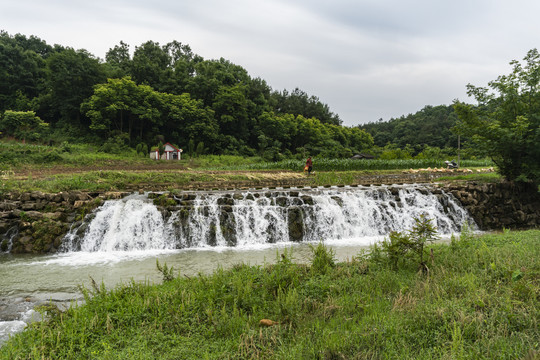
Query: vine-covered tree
x,y
505,122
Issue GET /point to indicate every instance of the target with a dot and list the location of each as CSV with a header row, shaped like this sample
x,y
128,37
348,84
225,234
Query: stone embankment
x,y
499,205
36,222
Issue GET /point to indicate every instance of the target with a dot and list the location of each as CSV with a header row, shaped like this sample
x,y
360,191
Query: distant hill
x,y
430,126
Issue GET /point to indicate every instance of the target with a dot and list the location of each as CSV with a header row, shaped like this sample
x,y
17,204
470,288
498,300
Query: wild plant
x,y
165,271
401,246
323,258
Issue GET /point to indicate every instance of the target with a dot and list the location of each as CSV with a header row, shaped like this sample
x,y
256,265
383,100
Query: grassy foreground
x,y
480,299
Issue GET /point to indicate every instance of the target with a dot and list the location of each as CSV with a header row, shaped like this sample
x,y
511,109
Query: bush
x,y
323,259
404,247
50,157
116,144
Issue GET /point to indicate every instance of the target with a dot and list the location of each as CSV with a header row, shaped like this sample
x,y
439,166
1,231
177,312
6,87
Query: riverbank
x,y
479,299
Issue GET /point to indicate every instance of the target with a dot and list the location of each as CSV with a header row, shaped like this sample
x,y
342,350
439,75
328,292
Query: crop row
x,y
364,164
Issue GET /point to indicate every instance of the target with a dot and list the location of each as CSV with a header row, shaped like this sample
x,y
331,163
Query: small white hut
x,y
171,153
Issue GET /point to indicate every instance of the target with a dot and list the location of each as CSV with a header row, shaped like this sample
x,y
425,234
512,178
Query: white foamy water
x,y
134,226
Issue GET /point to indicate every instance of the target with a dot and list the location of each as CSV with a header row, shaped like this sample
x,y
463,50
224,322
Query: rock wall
x,y
499,205
36,222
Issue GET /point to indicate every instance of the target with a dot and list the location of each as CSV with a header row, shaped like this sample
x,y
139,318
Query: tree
x,y
22,70
299,103
120,105
151,65
230,107
119,60
71,78
506,120
185,119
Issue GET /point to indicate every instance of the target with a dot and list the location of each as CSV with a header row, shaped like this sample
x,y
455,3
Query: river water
x,y
27,281
123,239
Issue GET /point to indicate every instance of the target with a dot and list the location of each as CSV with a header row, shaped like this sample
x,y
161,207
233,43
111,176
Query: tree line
x,y
503,124
169,93
160,93
431,126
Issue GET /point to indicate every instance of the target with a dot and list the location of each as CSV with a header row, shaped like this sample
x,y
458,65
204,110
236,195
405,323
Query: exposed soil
x,y
59,170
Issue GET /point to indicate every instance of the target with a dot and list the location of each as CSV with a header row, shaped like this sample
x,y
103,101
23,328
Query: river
x,y
30,280
123,238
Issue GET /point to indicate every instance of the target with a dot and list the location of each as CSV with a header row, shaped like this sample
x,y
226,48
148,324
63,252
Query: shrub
x,y
323,259
403,247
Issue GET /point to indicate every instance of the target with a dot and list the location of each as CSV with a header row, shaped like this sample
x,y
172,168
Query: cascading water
x,y
6,241
254,218
118,241
132,223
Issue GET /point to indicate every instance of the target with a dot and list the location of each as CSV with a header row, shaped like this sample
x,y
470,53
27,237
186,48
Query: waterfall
x,y
132,223
252,218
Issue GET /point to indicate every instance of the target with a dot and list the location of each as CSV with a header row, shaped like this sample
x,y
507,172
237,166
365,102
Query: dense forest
x,y
159,93
430,132
430,126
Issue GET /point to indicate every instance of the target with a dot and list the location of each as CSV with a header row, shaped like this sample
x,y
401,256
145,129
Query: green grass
x,y
74,168
487,177
16,155
106,181
480,299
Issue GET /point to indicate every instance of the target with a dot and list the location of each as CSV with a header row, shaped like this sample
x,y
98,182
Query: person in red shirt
x,y
309,165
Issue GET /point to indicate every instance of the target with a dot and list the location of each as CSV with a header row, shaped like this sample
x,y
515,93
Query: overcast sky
x,y
366,59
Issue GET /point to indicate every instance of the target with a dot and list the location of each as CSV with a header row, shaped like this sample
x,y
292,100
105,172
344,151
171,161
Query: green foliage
x,y
116,144
479,302
164,200
506,121
22,125
165,271
191,147
401,247
168,89
142,149
23,74
165,89
17,154
65,147
326,164
200,149
430,126
323,259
